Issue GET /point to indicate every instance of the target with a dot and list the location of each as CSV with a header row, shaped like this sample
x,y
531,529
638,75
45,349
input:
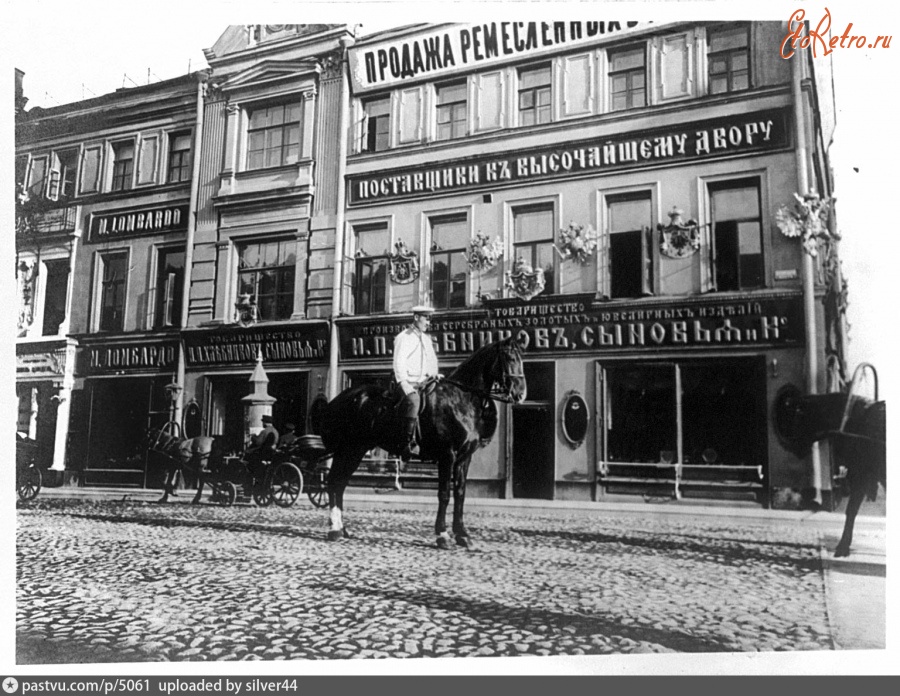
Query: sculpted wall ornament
x,y
404,264
524,281
678,239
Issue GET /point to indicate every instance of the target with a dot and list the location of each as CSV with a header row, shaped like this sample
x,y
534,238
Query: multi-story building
x,y
108,185
611,194
263,249
622,182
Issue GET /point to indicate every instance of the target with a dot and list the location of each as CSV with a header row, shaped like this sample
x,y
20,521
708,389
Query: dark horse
x,y
855,426
458,416
195,454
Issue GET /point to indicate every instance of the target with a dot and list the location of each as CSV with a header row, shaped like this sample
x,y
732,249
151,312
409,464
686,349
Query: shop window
x,y
266,273
630,260
627,78
737,235
123,166
113,286
376,124
56,285
533,233
273,136
641,417
534,96
371,268
728,59
37,180
449,236
180,159
62,175
169,283
452,109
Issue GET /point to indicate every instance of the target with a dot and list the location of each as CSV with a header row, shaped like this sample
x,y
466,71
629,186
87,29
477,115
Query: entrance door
x,y
534,436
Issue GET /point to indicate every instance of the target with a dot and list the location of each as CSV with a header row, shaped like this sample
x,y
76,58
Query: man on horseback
x,y
414,363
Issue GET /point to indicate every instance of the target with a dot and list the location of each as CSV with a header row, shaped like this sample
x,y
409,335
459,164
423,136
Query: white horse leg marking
x,y
337,520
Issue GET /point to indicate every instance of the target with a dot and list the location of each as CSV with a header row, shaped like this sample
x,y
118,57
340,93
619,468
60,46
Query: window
x,y
266,272
449,236
534,96
729,59
451,111
630,246
38,179
377,124
371,269
533,232
169,279
627,81
114,269
90,169
737,235
274,136
55,293
62,176
123,166
179,157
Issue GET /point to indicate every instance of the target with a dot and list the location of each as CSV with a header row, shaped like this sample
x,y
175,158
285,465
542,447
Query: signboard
x,y
241,346
137,222
743,134
576,327
158,356
451,48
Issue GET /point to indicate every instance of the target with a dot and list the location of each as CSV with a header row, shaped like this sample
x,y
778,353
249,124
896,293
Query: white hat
x,y
422,309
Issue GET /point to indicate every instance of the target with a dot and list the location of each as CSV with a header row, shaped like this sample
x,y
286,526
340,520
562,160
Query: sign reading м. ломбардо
x,y
137,222
721,137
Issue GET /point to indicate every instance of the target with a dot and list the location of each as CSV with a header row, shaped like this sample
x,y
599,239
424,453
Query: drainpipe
x,y
337,281
189,241
807,268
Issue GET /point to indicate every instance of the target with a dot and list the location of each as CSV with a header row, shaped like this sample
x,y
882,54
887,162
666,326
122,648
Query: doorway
x,y
534,436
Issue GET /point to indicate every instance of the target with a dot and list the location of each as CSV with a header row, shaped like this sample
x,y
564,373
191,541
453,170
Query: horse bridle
x,y
503,397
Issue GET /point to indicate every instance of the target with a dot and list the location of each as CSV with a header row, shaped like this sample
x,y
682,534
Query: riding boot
x,y
410,447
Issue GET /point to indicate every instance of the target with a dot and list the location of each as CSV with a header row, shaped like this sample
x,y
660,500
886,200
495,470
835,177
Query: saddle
x,y
395,394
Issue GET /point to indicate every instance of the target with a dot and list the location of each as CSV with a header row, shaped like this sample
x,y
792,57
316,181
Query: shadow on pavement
x,y
733,553
522,618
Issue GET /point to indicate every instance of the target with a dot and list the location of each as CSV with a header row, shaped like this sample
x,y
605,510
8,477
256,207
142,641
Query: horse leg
x,y
168,488
342,467
857,493
440,523
460,475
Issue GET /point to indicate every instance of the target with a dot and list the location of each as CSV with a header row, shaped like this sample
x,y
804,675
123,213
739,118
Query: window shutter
x,y
603,260
37,180
90,169
168,300
578,82
411,115
489,101
676,64
55,179
148,157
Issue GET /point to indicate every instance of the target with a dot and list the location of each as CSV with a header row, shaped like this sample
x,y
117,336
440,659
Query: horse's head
x,y
508,370
158,440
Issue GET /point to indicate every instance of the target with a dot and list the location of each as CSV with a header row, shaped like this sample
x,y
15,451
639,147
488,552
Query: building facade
x,y
111,180
620,182
618,196
263,247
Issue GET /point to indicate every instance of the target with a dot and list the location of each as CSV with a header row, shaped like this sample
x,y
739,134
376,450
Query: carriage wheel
x,y
225,493
29,483
318,491
262,491
287,484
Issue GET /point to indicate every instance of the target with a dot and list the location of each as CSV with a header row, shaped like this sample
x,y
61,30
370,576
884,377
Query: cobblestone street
x,y
103,581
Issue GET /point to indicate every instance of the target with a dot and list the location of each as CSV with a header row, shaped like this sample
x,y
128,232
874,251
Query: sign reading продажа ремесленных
x,y
451,48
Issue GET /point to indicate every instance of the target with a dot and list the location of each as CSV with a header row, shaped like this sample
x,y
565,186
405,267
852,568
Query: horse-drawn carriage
x,y
28,475
280,480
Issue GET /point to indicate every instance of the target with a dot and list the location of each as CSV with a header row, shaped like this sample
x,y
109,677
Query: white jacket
x,y
414,358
